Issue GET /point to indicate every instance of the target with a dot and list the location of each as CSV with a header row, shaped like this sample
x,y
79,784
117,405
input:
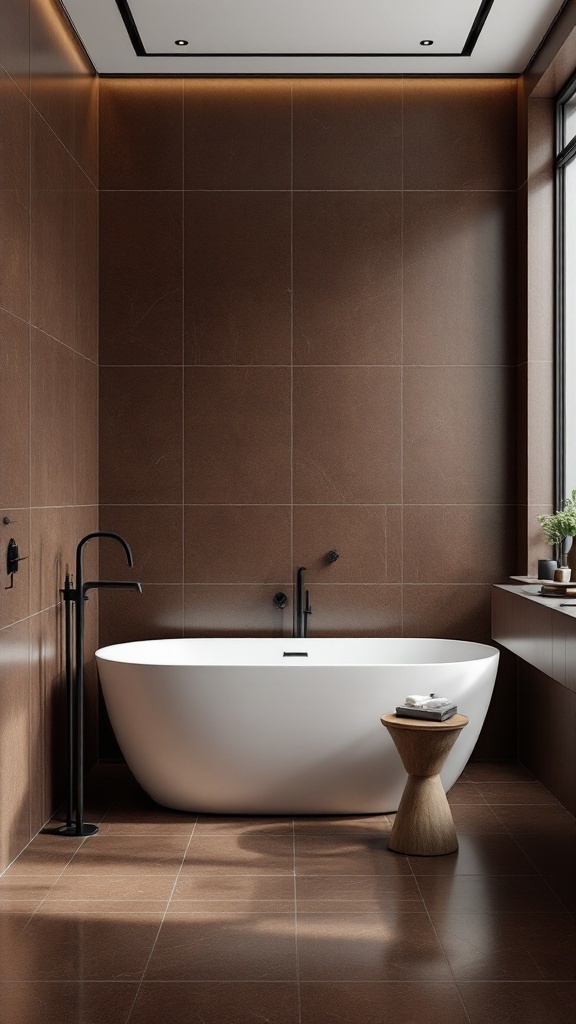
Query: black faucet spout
x,y
103,533
110,585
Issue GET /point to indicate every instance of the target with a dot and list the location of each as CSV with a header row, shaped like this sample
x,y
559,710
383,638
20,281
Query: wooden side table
x,y
424,825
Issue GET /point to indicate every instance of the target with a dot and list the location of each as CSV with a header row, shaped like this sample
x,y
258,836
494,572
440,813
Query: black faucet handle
x,y
308,608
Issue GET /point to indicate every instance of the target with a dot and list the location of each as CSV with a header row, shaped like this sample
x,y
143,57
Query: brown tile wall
x,y
308,341
49,406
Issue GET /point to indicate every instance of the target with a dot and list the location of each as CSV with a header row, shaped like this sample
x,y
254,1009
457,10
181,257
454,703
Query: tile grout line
x,y
53,337
436,936
56,880
147,964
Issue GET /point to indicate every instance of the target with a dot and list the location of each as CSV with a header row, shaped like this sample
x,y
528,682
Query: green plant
x,y
560,524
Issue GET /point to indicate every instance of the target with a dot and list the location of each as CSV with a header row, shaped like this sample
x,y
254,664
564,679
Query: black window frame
x,y
565,154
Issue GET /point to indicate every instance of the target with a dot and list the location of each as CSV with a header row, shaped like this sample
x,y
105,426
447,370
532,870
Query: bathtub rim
x,y
107,653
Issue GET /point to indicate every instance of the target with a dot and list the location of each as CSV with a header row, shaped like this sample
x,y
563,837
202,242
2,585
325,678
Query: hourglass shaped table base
x,y
424,825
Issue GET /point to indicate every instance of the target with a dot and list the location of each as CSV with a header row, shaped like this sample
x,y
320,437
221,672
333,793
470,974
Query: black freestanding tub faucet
x,y
75,682
303,606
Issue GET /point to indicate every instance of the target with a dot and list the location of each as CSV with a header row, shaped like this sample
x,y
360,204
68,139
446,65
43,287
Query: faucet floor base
x,y
85,830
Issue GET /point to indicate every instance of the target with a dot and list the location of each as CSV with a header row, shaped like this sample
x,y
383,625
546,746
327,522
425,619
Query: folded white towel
x,y
434,703
427,701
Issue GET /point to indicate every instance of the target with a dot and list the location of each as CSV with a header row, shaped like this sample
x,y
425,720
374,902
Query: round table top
x,y
396,721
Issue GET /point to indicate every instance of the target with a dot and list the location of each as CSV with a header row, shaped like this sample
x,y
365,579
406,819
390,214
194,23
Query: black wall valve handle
x,y
13,558
279,600
332,556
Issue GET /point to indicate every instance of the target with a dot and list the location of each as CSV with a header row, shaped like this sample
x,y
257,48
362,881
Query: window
x,y
566,291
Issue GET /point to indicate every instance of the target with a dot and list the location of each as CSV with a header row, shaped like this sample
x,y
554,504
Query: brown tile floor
x,y
176,918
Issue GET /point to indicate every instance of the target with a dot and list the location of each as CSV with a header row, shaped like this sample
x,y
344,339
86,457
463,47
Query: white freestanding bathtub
x,y
276,726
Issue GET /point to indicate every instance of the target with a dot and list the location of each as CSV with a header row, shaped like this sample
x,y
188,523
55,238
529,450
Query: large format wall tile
x,y
14,198
234,611
140,278
52,423
15,594
86,93
48,696
52,235
154,533
55,532
14,412
237,435
140,435
237,277
237,544
347,277
155,614
459,277
237,134
141,133
15,41
86,265
459,543
347,134
342,610
346,435
14,740
459,436
54,62
451,612
85,435
459,134
368,539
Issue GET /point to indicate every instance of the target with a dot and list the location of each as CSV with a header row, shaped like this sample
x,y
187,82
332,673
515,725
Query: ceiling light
x,y
181,42
426,42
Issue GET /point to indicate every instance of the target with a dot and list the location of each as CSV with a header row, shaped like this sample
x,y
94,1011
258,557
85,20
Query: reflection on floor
x,y
172,918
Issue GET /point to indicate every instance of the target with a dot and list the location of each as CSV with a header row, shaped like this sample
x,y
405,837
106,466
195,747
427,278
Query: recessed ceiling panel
x,y
311,37
304,26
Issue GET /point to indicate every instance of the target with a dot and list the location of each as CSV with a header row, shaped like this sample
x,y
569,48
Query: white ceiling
x,y
308,37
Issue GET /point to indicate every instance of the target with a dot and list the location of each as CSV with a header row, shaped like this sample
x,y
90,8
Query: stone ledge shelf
x,y
536,629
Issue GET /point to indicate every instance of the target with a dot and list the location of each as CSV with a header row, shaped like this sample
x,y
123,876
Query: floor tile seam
x,y
147,964
524,803
436,936
536,807
56,880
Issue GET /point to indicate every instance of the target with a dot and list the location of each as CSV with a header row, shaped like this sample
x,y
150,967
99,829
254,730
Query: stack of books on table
x,y
438,715
551,589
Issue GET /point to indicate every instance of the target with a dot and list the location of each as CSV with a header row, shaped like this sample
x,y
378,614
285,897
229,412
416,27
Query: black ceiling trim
x,y
131,28
478,25
473,36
